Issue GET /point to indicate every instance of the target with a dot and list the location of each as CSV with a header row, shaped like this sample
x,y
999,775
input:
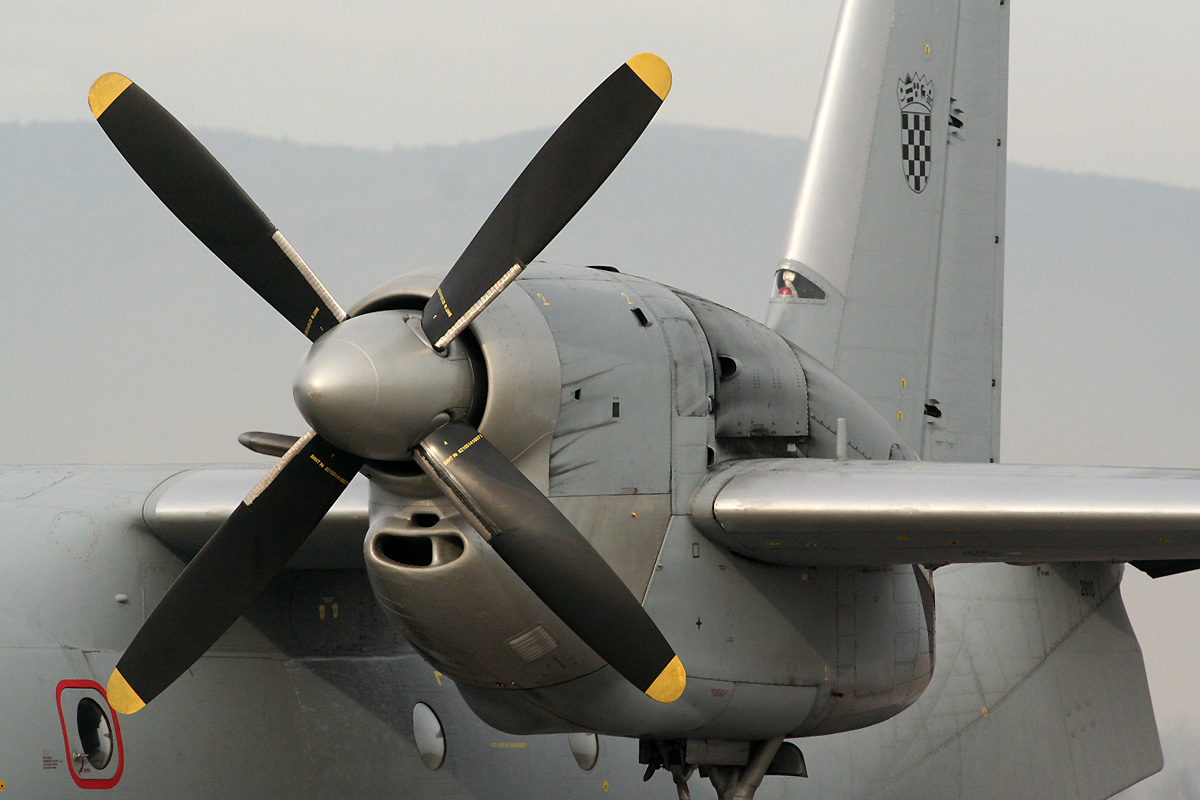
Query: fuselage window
x,y
586,749
429,736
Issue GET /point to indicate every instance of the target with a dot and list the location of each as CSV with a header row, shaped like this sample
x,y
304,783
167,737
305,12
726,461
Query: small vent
x,y
411,551
533,644
418,551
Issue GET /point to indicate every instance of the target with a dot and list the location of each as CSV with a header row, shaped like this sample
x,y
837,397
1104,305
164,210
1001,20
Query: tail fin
x,y
893,274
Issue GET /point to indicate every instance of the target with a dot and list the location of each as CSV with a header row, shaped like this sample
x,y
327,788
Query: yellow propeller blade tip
x,y
653,71
669,684
107,88
121,695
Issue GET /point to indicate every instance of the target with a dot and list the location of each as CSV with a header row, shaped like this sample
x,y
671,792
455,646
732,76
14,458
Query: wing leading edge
x,y
187,508
817,512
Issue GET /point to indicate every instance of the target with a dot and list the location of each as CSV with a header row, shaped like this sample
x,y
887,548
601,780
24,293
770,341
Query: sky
x,y
1098,88
1101,88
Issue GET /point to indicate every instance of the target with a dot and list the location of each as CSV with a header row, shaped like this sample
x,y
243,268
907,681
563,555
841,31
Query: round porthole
x,y
95,733
427,731
586,749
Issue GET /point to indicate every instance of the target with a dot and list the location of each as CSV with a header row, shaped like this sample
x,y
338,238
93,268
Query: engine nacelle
x,y
466,611
616,396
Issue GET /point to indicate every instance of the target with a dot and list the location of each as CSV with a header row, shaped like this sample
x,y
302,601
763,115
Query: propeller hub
x,y
374,387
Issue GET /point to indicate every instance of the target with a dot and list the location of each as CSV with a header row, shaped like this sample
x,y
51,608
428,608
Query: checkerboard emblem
x,y
915,93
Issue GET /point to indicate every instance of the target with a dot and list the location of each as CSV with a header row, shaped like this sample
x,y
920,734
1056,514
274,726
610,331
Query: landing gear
x,y
736,769
740,783
669,755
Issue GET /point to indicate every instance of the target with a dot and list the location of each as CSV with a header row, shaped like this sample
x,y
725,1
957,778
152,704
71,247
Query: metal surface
x,y
463,612
521,374
373,386
830,398
612,436
760,387
628,530
1020,650
190,504
811,511
796,650
842,132
693,435
912,272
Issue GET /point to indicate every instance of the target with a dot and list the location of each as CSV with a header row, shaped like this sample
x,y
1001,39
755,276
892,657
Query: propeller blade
x,y
232,569
552,557
206,198
564,174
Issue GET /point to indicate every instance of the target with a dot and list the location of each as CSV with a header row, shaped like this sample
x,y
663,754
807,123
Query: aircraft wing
x,y
813,512
186,509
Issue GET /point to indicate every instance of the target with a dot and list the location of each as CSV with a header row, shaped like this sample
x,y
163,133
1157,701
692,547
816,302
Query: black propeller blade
x,y
564,174
231,569
206,198
552,557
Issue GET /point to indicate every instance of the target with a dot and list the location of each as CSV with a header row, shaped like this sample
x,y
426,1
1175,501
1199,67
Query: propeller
x,y
341,377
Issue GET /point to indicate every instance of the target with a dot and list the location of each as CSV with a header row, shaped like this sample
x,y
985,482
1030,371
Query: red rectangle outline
x,y
90,783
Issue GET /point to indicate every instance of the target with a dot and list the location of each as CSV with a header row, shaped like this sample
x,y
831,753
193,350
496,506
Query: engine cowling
x,y
617,396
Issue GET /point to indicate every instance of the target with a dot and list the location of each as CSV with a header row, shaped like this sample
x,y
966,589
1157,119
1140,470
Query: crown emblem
x,y
915,89
915,93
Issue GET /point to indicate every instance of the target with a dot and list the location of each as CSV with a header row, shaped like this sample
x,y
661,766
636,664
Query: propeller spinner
x,y
388,386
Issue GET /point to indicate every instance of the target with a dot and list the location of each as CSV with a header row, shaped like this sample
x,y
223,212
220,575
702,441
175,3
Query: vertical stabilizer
x,y
893,274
